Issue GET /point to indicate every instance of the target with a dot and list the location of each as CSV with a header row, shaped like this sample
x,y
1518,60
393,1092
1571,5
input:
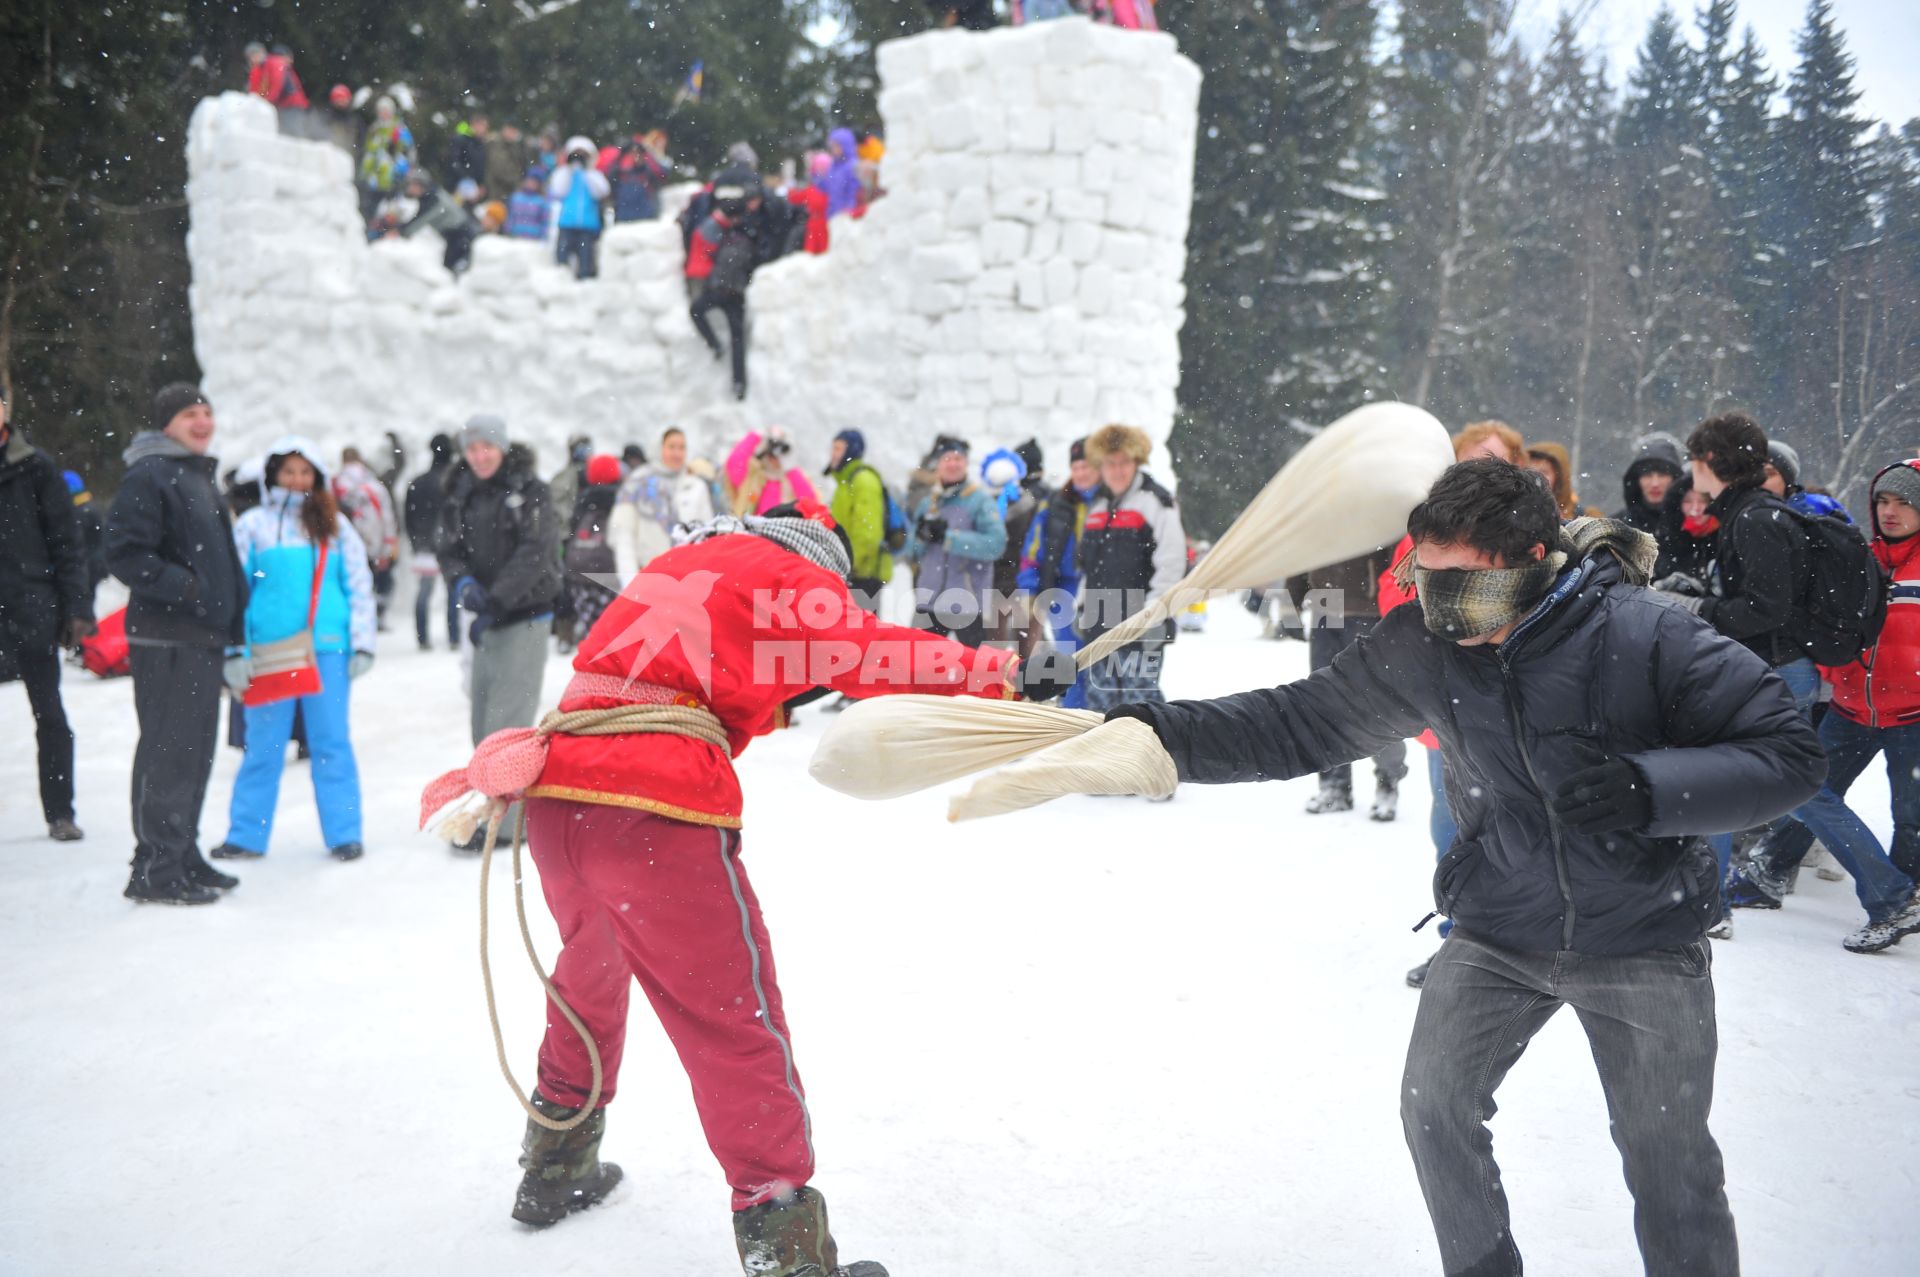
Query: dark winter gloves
x,y
1046,675
1605,796
80,628
359,663
473,597
237,670
932,531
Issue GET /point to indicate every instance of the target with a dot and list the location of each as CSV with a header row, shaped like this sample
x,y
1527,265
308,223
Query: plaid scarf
x,y
1464,603
814,542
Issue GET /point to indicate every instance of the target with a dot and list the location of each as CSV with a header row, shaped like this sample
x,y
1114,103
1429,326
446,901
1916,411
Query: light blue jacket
x,y
279,560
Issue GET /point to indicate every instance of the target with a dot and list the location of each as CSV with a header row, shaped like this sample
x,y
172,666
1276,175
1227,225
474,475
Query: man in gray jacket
x,y
1594,733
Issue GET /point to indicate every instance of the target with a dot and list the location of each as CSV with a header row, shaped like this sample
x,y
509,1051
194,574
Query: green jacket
x,y
860,507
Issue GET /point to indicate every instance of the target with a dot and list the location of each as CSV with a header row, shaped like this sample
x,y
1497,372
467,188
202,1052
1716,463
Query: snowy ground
x,y
1104,1038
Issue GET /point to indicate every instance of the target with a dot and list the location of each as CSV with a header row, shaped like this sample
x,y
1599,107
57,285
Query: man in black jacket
x,y
1761,553
1593,733
426,497
46,600
170,540
499,546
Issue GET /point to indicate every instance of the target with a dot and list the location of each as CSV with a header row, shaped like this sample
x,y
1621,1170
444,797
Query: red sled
x,y
106,652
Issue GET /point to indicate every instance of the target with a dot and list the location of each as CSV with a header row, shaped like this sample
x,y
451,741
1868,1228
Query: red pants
x,y
642,897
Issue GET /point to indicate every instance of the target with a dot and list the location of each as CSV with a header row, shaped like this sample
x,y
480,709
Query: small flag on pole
x,y
696,81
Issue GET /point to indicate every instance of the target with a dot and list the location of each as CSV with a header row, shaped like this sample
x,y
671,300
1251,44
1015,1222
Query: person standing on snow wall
x,y
500,547
638,841
303,559
1596,733
169,539
46,600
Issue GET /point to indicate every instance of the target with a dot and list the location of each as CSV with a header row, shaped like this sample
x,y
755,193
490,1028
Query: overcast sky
x,y
1882,35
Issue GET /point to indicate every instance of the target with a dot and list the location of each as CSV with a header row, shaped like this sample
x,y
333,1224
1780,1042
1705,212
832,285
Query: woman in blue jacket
x,y
279,544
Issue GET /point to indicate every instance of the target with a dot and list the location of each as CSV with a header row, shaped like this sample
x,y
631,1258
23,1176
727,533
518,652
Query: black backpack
x,y
1846,592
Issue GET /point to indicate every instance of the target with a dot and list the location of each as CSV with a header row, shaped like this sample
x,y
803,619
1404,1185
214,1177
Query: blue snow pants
x,y
336,777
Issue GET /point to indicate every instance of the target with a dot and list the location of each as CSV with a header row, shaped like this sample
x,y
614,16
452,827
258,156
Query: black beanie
x,y
1029,454
173,400
1077,451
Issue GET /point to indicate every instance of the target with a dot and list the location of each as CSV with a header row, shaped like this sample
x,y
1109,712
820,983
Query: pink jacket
x,y
794,487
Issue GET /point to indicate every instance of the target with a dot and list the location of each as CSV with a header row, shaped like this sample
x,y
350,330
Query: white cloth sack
x,y
893,745
1347,492
1121,757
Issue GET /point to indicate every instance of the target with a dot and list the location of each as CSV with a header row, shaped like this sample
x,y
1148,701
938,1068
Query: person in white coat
x,y
651,501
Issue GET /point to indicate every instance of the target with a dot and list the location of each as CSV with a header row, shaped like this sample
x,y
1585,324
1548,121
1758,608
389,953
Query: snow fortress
x,y
1021,278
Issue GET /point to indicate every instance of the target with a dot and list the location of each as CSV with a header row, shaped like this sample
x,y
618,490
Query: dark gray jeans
x,y
1649,1020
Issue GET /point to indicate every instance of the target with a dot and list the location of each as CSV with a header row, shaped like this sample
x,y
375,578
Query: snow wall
x,y
1021,278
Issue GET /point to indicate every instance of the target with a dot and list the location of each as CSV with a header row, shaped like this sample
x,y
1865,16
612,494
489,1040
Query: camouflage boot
x,y
788,1237
564,1170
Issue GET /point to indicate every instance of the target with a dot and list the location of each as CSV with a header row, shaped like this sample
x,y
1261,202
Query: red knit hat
x,y
603,468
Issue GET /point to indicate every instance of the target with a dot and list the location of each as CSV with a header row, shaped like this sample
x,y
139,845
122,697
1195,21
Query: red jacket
x,y
1391,596
274,80
814,201
1882,688
704,244
761,606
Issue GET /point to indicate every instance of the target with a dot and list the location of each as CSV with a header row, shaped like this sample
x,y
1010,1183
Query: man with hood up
x,y
170,541
1657,462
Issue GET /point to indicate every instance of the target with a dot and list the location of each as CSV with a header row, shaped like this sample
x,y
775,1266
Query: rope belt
x,y
645,714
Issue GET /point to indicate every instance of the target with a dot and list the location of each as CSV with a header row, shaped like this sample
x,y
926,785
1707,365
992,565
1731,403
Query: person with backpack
x,y
425,497
866,512
654,499
309,573
580,189
1875,710
721,259
46,602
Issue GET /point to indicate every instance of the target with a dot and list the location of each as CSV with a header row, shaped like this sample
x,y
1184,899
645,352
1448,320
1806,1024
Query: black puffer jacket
x,y
503,533
1761,556
1598,663
44,579
169,538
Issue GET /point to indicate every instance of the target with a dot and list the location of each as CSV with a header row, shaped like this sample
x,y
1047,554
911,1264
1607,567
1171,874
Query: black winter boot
x,y
160,887
202,874
564,1172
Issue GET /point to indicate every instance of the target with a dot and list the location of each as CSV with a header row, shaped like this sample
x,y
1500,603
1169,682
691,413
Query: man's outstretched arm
x,y
1341,713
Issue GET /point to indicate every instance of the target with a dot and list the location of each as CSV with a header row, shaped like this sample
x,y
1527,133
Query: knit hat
x,y
1030,456
1077,450
484,428
855,441
1901,479
602,468
174,400
1783,458
944,444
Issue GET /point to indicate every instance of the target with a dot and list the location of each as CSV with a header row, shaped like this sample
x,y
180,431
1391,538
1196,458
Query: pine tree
x,y
1283,278
1824,220
1673,268
1454,96
1563,195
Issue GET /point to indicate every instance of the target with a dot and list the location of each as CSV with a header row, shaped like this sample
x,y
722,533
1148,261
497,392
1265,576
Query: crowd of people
x,y
979,15
1633,723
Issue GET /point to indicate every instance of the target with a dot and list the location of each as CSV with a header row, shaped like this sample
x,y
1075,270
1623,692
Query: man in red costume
x,y
638,842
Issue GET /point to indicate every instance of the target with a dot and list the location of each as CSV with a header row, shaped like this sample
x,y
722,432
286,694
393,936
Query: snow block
x,y
1023,276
